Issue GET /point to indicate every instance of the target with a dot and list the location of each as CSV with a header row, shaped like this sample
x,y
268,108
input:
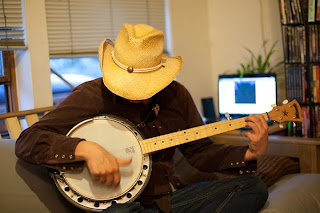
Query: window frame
x,y
8,79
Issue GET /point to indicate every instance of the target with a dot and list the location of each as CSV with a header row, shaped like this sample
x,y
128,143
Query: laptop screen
x,y
251,94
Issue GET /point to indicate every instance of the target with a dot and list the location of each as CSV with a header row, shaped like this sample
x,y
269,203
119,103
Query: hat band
x,y
131,69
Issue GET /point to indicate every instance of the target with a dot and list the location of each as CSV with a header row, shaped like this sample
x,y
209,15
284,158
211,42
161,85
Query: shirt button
x,y
160,127
253,171
63,156
64,168
247,171
56,156
154,126
242,162
240,172
70,156
231,164
237,163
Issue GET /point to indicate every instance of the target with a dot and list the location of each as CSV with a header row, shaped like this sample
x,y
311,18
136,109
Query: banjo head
x,y
121,140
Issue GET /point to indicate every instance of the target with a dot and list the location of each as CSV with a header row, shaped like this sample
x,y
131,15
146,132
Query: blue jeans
x,y
241,194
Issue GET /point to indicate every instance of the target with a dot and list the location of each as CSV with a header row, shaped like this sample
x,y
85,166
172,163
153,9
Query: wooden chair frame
x,y
12,119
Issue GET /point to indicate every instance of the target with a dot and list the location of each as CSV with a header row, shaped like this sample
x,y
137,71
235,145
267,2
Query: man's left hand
x,y
258,137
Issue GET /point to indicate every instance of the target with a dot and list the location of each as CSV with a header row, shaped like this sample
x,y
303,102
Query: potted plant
x,y
259,64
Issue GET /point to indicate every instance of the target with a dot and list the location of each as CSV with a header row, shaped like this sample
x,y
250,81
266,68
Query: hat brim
x,y
136,86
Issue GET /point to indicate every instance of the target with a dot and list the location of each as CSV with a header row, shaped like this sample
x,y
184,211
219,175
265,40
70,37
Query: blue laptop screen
x,y
251,94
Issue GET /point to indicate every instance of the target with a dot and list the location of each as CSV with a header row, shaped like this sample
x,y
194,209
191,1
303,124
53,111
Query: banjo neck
x,y
288,112
154,144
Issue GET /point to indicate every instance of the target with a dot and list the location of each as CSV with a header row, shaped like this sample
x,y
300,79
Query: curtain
x,y
76,27
11,26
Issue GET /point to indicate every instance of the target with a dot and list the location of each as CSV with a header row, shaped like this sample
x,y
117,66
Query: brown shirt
x,y
47,140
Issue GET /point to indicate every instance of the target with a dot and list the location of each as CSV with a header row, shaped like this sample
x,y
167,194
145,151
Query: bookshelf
x,y
300,23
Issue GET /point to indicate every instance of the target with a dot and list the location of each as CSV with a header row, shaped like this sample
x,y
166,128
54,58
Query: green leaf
x,y
258,63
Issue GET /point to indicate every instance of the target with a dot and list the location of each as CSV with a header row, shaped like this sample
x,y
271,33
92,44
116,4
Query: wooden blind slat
x,y
80,25
11,25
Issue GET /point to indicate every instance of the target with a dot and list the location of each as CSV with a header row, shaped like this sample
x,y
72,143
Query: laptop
x,y
250,94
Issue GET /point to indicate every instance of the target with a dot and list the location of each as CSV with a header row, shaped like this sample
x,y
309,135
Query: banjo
x,y
80,189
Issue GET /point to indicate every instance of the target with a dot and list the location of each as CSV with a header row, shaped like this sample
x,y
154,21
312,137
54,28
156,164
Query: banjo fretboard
x,y
185,136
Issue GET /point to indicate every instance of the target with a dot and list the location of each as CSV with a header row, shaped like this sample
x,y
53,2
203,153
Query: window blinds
x,y
11,27
76,27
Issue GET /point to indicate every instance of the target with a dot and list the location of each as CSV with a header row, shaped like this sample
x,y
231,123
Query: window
x,y
69,72
11,38
8,97
76,28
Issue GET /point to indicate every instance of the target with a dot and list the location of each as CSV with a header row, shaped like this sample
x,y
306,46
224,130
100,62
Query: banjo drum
x,y
120,139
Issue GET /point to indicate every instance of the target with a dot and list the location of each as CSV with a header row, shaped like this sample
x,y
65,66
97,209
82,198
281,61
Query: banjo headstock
x,y
287,112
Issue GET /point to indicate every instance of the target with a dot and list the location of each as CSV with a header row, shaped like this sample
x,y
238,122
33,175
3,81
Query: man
x,y
138,84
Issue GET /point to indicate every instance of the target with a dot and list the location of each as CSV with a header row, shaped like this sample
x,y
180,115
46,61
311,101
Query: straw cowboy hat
x,y
135,67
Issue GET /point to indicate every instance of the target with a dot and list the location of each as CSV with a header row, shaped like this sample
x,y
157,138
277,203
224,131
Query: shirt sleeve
x,y
207,156
47,140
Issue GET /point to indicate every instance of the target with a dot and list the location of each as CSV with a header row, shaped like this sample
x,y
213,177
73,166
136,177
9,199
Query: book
x,y
314,77
318,11
317,109
303,84
317,83
318,43
283,14
299,82
305,122
302,43
312,43
300,11
311,10
290,83
285,43
289,11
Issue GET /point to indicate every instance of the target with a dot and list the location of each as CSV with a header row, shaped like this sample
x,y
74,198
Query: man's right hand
x,y
104,167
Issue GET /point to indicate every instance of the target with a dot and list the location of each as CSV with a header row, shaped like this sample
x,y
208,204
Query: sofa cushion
x,y
270,168
294,193
26,187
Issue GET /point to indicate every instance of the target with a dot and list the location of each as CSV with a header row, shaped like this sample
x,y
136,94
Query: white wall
x,y
33,70
211,35
208,34
190,39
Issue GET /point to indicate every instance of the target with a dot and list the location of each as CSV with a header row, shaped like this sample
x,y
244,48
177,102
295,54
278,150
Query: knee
x,y
259,188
